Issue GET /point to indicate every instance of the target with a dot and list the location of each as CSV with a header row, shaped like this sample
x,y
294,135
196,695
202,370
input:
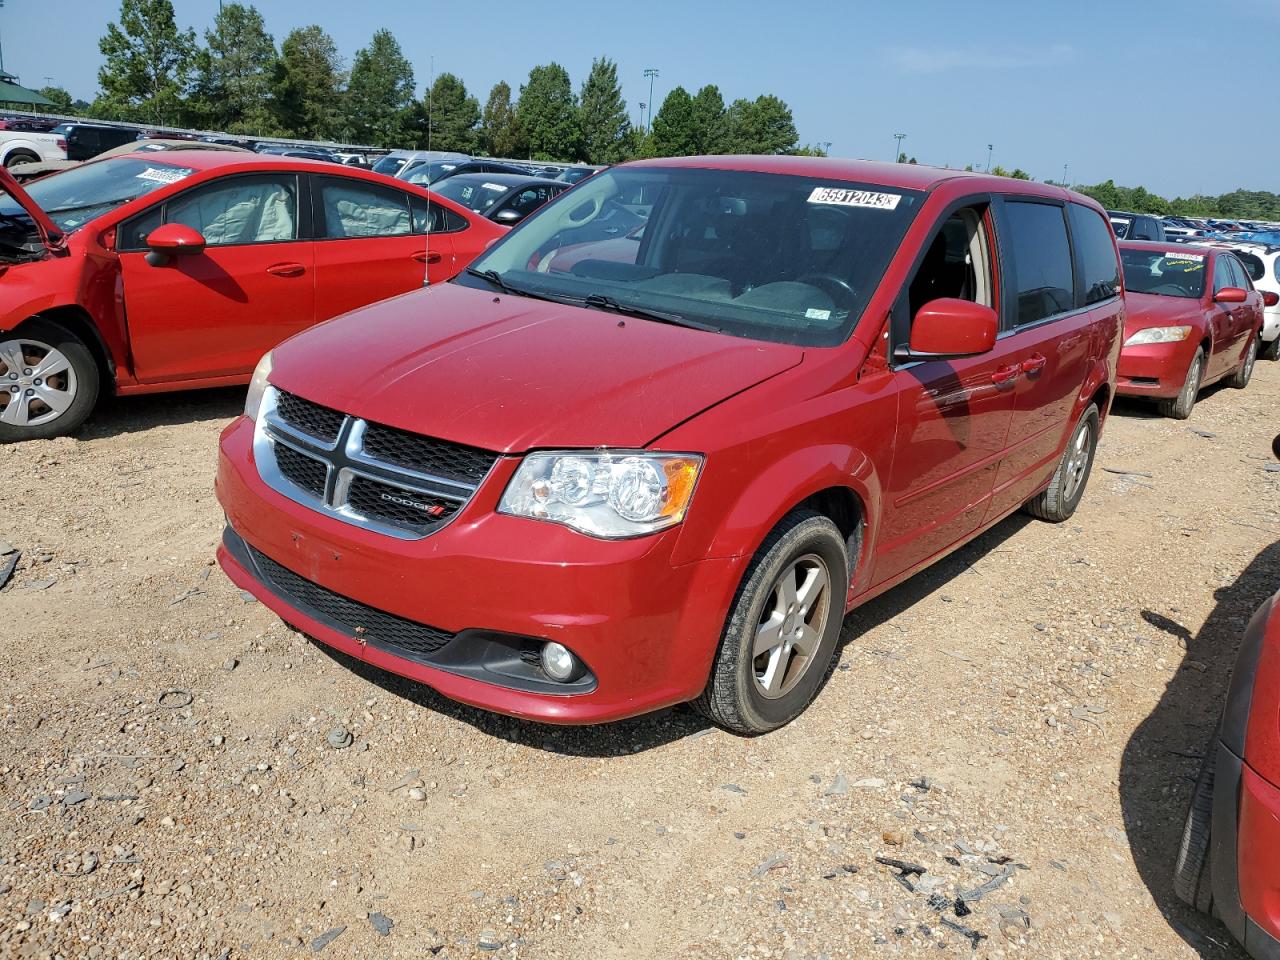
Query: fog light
x,y
558,663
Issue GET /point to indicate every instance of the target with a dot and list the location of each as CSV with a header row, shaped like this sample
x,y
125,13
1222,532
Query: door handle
x,y
1005,374
1033,364
428,256
286,269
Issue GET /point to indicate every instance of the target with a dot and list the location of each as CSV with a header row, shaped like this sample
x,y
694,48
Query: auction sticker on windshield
x,y
1196,257
855,198
165,174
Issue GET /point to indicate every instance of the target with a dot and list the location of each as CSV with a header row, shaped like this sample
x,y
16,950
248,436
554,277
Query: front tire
x,y
1180,407
781,634
1191,871
1058,501
1240,379
48,382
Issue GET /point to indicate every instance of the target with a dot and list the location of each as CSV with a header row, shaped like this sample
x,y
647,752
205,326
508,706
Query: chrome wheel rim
x,y
1192,386
1078,455
1250,356
791,626
37,383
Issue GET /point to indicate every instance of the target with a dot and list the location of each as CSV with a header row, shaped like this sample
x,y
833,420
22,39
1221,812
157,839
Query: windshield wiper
x,y
600,301
495,278
90,206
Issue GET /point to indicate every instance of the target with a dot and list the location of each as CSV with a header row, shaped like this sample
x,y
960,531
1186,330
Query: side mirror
x,y
1270,298
173,239
508,217
948,328
1230,295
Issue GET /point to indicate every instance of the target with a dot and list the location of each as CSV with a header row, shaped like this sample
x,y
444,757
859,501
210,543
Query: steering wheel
x,y
837,288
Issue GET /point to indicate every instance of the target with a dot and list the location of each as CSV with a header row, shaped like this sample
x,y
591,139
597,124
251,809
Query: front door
x,y
374,242
215,313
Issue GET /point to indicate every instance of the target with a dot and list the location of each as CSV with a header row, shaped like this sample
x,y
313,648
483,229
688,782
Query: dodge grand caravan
x,y
601,473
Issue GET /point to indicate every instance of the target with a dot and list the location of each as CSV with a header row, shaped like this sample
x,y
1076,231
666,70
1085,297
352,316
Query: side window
x,y
352,208
434,218
956,264
528,200
240,210
1222,273
1252,265
132,234
1095,254
1043,279
1239,277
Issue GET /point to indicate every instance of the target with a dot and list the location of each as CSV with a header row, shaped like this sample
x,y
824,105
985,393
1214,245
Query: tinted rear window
x,y
1044,282
1096,254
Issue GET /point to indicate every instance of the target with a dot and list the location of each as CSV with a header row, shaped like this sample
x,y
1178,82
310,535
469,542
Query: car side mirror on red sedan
x,y
173,239
1231,295
1270,298
948,328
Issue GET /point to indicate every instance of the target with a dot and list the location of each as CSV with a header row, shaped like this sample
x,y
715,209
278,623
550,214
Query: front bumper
x,y
1154,369
646,629
1270,323
1259,863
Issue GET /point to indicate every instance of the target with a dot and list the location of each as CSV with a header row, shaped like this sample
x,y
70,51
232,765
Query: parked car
x,y
396,162
433,172
302,153
172,270
22,146
29,171
576,173
1228,863
579,496
505,198
1193,319
1262,262
1136,226
86,140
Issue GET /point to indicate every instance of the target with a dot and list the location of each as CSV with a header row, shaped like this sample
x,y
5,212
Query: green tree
x,y
763,125
62,102
602,114
500,134
708,121
379,100
308,82
548,114
146,62
1020,174
233,74
449,116
810,150
674,132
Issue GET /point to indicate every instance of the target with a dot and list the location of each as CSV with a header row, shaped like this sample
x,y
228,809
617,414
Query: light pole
x,y
897,149
1064,175
651,73
989,149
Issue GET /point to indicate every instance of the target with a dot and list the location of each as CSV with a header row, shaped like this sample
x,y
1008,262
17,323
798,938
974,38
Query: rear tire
x,y
1191,871
1180,407
20,156
781,634
43,360
1058,501
1240,379
1270,349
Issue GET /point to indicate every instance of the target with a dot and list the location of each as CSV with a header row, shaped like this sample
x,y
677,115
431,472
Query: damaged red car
x,y
153,272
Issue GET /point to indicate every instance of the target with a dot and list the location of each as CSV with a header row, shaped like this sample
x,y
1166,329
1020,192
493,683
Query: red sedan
x,y
1229,861
1193,317
154,272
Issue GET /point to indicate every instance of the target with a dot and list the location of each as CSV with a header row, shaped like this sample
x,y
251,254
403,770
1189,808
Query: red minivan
x,y
168,271
578,488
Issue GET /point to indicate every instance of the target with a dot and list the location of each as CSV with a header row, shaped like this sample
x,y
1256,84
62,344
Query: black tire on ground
x,y
1058,501
1270,350
733,697
82,365
20,156
1180,407
1240,379
1191,870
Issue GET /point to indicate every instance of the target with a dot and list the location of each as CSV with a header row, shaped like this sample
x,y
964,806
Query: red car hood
x,y
50,235
510,373
1143,310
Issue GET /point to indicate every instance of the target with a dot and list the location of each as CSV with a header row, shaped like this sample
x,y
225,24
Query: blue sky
x,y
1114,89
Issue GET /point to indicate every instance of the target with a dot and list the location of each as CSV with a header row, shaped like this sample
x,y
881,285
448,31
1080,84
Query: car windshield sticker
x,y
1197,257
165,174
855,198
495,186
814,314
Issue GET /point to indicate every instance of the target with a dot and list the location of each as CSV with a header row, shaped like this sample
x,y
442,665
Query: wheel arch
x,y
77,320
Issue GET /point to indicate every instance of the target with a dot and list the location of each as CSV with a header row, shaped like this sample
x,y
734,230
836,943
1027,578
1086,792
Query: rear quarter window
x,y
1096,260
1252,265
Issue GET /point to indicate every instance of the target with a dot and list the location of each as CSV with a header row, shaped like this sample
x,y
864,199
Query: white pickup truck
x,y
23,146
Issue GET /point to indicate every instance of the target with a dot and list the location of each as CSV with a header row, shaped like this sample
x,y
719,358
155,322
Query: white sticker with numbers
x,y
165,174
855,198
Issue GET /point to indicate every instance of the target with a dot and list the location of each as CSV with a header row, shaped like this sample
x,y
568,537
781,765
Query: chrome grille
x,y
400,484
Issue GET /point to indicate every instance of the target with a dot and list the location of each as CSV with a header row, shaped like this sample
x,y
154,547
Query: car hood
x,y
1143,310
50,235
510,373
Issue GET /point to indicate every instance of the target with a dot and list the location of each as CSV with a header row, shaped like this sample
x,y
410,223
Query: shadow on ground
x,y
119,415
1160,762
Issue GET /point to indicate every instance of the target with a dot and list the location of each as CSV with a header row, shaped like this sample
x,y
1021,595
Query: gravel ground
x,y
182,776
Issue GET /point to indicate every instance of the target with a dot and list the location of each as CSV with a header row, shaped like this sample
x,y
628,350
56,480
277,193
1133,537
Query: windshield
x,y
389,165
771,257
1171,273
74,197
473,195
429,172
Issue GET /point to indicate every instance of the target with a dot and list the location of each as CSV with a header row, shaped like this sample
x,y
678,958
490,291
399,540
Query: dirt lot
x,y
168,786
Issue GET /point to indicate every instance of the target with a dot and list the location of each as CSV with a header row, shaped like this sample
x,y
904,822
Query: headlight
x,y
1158,335
610,494
257,387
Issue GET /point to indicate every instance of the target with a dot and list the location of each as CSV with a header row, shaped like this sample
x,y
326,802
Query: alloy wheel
x,y
1078,457
1250,356
791,626
37,383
